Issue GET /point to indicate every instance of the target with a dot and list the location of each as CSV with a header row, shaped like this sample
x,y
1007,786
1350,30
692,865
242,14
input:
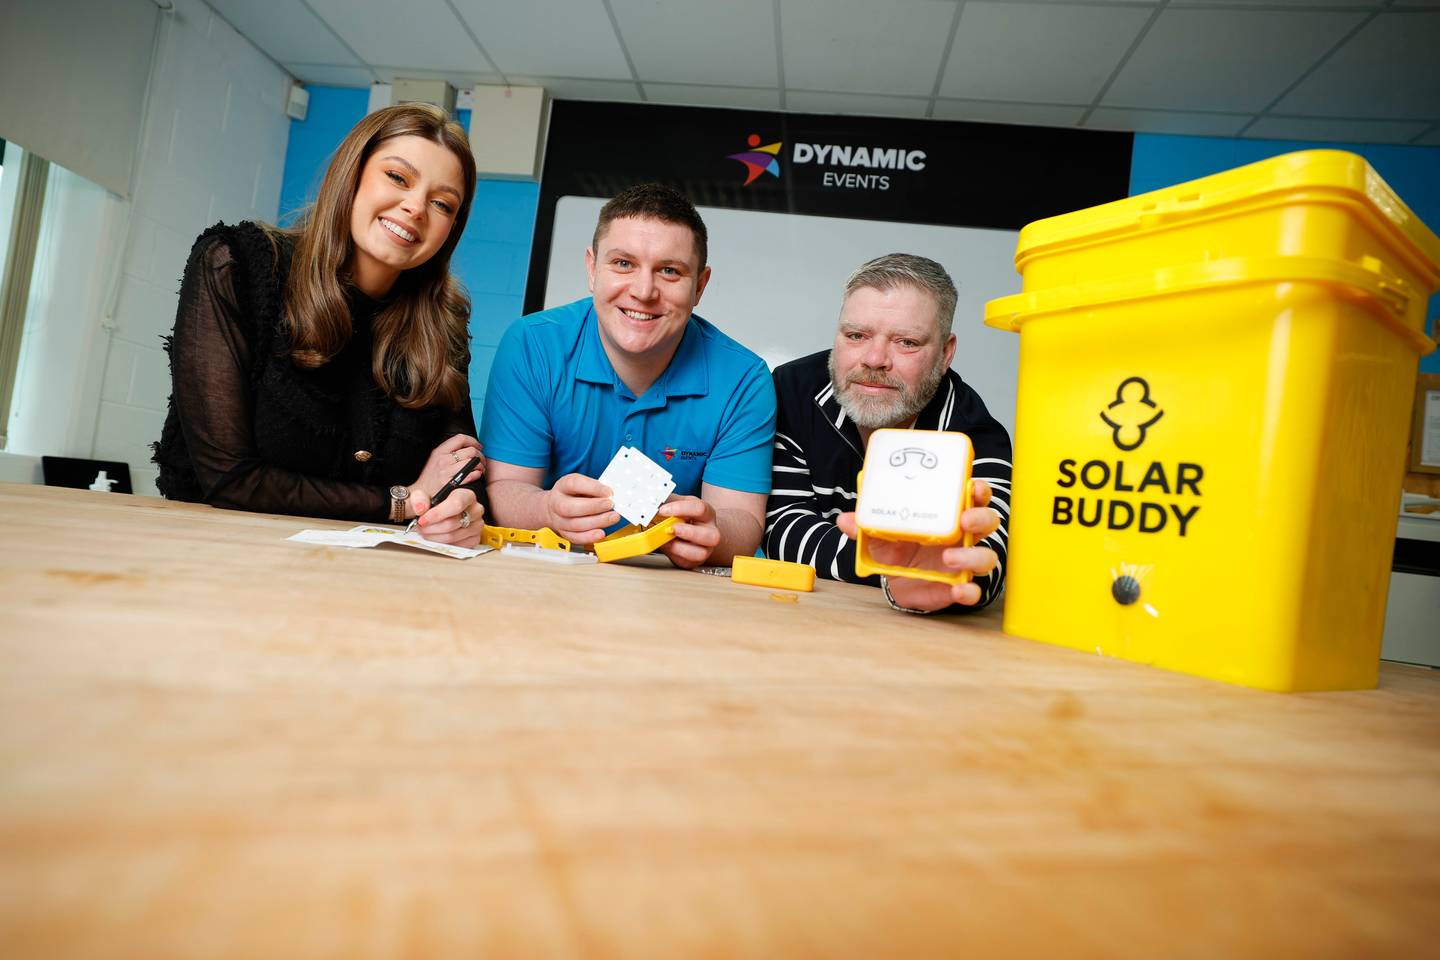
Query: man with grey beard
x,y
889,367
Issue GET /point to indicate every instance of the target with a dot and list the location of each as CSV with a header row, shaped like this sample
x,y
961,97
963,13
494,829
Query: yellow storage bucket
x,y
1214,397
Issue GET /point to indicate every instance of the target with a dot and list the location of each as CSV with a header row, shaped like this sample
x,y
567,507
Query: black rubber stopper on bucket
x,y
1125,590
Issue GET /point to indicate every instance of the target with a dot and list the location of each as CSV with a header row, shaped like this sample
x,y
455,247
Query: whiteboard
x,y
777,280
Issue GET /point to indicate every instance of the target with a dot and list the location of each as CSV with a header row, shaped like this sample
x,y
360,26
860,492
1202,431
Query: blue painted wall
x,y
1413,172
493,256
332,112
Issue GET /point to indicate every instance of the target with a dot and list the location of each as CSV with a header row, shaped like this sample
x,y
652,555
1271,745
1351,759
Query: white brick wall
x,y
214,149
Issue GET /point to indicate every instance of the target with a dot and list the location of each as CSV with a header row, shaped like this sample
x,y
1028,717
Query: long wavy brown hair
x,y
421,335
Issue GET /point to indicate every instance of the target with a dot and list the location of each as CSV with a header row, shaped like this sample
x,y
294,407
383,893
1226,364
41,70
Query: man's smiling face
x,y
889,356
646,278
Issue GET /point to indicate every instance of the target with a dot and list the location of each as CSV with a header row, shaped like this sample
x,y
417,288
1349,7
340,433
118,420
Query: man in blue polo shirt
x,y
631,365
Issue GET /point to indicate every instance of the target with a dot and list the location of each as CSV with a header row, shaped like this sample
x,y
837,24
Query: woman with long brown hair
x,y
321,370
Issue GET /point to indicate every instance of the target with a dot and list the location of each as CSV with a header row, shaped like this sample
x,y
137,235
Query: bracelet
x,y
890,598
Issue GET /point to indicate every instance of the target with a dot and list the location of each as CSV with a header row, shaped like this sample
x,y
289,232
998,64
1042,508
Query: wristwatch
x,y
399,495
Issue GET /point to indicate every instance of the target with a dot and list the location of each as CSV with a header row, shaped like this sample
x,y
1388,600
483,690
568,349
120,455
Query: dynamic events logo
x,y
759,159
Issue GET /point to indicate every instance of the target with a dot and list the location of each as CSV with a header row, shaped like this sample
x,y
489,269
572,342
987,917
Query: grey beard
x,y
875,413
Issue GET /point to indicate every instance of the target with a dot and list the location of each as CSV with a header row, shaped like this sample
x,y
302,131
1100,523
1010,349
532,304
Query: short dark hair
x,y
653,201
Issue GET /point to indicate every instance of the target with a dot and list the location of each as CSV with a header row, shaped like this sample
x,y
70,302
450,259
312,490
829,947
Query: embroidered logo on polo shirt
x,y
670,453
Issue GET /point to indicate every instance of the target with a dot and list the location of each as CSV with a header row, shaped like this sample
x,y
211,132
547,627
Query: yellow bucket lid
x,y
1390,297
1328,171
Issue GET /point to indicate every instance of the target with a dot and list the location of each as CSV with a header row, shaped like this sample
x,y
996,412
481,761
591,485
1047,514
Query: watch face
x,y
398,492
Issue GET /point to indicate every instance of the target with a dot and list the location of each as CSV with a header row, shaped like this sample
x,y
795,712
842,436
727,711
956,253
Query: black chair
x,y
78,473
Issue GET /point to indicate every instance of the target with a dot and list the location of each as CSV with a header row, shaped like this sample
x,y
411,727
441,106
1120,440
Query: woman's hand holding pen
x,y
457,519
444,460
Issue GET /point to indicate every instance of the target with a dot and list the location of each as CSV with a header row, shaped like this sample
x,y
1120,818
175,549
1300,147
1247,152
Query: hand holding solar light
x,y
918,517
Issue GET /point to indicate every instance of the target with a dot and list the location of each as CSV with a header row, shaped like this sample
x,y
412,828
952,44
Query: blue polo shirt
x,y
555,401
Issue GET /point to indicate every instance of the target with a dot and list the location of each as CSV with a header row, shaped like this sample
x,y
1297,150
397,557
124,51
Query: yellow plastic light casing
x,y
952,535
626,542
779,574
497,537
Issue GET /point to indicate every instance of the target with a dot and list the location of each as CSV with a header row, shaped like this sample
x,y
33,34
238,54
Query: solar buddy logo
x,y
1123,493
759,159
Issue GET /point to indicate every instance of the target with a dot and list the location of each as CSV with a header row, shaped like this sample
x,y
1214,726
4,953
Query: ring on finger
x,y
456,455
464,519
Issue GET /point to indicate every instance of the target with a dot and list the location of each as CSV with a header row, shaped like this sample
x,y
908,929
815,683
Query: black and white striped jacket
x,y
818,454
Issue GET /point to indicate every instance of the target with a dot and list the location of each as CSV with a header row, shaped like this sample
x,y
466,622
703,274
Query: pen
x,y
448,489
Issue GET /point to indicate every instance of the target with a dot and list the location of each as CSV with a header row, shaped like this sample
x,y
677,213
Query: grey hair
x,y
907,269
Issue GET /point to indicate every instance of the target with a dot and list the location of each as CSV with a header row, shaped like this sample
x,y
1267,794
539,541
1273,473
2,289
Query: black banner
x,y
907,171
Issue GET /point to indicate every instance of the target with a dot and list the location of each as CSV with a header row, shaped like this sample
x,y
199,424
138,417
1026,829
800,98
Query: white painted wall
x,y
777,282
213,149
82,226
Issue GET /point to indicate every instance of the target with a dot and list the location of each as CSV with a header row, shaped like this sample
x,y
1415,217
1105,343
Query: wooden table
x,y
216,743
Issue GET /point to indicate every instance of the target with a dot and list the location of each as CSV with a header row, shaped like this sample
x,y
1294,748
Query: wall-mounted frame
x,y
1425,426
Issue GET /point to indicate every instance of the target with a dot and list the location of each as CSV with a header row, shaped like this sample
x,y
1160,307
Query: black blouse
x,y
247,429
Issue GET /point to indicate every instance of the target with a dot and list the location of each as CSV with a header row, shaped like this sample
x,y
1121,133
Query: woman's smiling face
x,y
405,206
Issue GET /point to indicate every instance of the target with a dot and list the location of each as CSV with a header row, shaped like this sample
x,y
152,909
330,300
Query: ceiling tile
x,y
456,78
552,38
1038,51
1160,121
1389,69
1284,3
285,29
425,34
1224,60
812,101
990,111
700,41
330,75
1336,131
701,96
864,46
572,88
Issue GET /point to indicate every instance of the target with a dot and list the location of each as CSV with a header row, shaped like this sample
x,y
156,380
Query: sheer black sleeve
x,y
212,360
463,421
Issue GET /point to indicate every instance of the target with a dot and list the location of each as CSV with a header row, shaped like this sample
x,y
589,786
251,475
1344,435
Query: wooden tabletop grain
x,y
217,743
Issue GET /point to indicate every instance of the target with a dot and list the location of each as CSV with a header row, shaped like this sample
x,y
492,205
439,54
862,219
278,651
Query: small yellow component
x,y
779,574
497,537
626,542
